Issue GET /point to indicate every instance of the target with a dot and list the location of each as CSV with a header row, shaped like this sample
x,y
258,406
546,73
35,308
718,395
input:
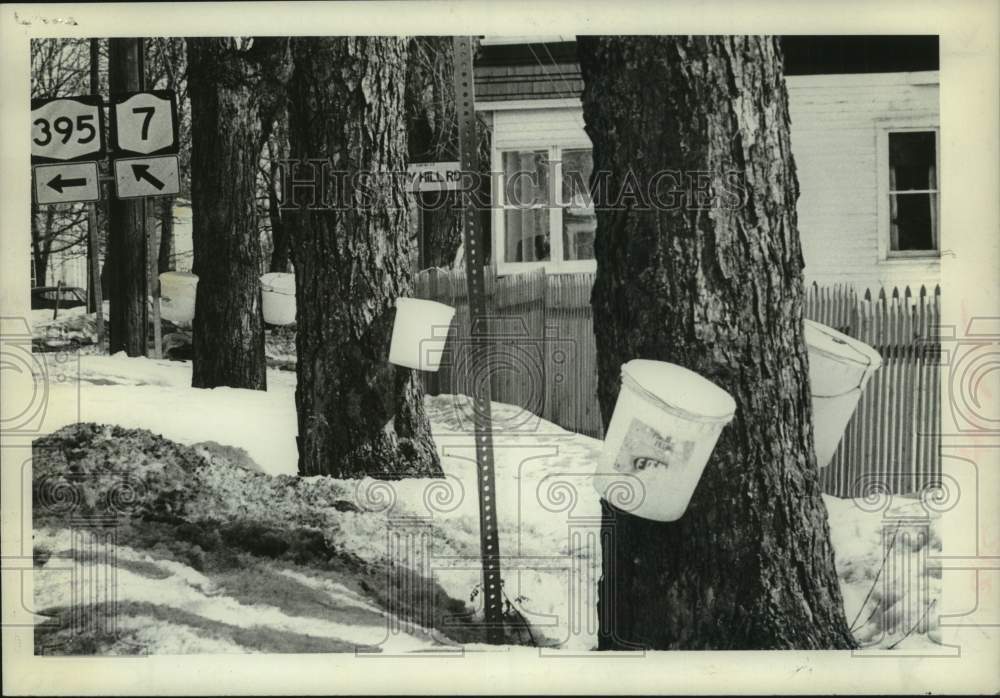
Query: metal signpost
x,y
492,593
67,140
144,141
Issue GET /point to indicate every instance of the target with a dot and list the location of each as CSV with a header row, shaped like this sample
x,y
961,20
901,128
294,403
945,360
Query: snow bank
x,y
549,513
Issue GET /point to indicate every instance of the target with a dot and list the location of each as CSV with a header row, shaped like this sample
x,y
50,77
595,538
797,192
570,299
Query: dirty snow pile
x,y
72,327
263,578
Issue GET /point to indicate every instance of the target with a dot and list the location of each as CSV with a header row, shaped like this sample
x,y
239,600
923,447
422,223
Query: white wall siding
x,y
834,125
538,128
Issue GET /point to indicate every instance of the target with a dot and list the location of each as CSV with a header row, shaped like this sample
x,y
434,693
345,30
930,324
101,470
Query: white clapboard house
x,y
865,138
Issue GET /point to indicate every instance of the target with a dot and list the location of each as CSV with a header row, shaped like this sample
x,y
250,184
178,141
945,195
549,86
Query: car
x,y
61,297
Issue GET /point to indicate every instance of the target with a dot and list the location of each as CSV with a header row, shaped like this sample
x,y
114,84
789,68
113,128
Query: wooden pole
x,y
93,245
126,241
150,279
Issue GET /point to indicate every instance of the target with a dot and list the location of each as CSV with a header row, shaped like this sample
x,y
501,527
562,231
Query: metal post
x,y
469,153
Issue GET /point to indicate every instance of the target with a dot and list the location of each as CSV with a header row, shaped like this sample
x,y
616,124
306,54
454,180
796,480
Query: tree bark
x,y
126,241
358,415
233,86
716,288
432,136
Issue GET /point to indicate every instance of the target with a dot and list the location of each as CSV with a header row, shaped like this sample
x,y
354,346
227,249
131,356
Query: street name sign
x,y
144,123
67,129
136,177
434,176
66,183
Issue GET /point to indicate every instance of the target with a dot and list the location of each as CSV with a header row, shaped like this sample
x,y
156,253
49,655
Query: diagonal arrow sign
x,y
141,172
59,183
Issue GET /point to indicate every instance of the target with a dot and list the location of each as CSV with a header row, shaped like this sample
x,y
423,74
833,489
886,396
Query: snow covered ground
x,y
549,524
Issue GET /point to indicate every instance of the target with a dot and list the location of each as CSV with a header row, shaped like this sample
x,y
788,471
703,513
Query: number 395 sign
x,y
67,129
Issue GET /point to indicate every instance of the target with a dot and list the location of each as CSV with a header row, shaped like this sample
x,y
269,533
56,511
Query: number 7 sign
x,y
144,123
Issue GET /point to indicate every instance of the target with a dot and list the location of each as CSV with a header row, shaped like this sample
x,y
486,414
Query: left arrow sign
x,y
66,183
58,182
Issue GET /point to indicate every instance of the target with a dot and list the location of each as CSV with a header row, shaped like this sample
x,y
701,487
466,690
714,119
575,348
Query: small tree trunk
x,y
164,256
358,414
715,287
280,244
40,262
126,241
226,94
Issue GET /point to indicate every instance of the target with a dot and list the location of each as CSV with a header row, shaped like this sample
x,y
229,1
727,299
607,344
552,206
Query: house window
x,y
912,192
547,216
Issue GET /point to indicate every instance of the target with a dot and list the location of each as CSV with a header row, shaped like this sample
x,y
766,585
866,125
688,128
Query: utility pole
x,y
126,240
95,297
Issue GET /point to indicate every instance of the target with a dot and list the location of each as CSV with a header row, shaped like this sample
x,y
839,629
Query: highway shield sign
x,y
67,129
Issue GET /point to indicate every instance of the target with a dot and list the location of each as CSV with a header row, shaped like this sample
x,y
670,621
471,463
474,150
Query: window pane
x,y
912,161
527,233
579,227
526,178
914,221
576,168
579,222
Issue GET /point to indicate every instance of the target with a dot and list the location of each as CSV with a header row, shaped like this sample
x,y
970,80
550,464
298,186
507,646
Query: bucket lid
x,y
185,276
839,346
680,389
426,305
279,282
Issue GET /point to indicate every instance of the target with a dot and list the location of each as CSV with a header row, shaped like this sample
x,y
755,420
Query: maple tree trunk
x,y
717,290
230,116
358,415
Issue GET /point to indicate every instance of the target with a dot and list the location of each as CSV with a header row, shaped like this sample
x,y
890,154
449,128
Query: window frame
x,y
556,264
883,205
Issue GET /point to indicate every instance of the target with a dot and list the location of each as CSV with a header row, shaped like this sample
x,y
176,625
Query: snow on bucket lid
x,y
839,346
279,282
680,389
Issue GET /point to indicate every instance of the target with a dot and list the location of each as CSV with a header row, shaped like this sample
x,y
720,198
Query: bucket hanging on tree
x,y
662,432
419,333
839,369
277,292
177,296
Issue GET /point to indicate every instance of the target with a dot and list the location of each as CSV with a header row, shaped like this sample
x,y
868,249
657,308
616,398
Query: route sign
x,y
135,177
66,183
144,123
67,129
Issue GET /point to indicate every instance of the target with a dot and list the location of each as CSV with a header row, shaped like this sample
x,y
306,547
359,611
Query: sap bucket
x,y
177,296
839,369
419,333
664,427
277,292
